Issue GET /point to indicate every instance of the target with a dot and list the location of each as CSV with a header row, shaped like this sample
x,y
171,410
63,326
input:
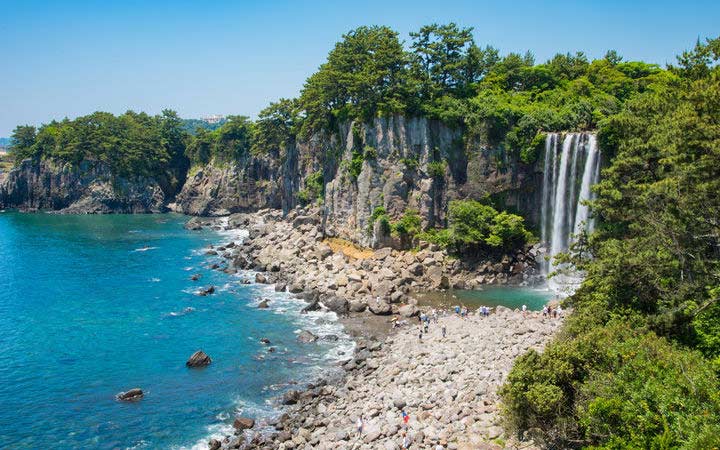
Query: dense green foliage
x,y
508,101
656,266
132,144
474,228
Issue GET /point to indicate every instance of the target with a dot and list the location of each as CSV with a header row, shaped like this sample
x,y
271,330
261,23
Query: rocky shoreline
x,y
450,403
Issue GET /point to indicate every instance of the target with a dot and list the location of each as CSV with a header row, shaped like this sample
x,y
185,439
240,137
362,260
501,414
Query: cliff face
x,y
85,189
397,173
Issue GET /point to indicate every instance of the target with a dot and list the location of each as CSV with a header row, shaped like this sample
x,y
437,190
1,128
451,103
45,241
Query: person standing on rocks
x,y
524,310
359,424
420,335
444,330
406,441
545,311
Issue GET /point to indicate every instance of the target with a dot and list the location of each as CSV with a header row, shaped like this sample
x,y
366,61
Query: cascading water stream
x,y
563,212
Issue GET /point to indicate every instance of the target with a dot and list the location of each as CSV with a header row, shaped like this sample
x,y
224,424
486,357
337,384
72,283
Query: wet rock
x,y
196,276
243,423
260,278
214,444
264,304
280,287
132,395
357,306
265,341
206,291
306,337
194,224
198,359
337,305
313,306
290,397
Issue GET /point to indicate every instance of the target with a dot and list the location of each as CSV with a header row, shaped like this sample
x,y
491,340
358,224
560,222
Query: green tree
x,y
441,57
23,140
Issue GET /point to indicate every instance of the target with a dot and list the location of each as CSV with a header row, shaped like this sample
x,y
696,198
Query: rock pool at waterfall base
x,y
94,305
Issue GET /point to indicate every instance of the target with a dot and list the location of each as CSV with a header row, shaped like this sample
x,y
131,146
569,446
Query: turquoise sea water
x,y
94,305
509,296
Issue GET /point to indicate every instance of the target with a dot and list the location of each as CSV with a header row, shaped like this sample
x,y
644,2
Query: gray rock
x,y
408,311
198,359
306,337
380,308
132,395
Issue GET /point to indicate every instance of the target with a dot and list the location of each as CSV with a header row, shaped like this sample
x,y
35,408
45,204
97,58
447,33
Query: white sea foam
x,y
144,249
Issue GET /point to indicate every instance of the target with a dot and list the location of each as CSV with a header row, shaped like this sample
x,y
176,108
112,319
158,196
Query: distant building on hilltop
x,y
213,119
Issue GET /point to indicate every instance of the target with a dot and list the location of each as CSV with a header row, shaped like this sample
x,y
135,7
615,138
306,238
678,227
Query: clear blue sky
x,y
68,58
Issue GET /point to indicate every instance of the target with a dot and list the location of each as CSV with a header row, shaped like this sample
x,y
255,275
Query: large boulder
x,y
243,423
132,395
194,224
198,359
337,305
380,308
290,397
408,311
306,337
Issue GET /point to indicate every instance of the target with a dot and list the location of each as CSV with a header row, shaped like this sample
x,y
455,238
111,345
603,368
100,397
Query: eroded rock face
x,y
398,178
89,188
199,359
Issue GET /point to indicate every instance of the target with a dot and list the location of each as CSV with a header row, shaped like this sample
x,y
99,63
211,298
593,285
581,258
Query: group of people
x,y
549,311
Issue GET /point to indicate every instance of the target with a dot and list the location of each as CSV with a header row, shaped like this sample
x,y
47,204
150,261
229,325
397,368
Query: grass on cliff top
x,y
348,248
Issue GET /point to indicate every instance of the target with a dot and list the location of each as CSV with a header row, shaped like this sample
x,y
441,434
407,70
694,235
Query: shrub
x,y
436,169
474,227
614,386
408,225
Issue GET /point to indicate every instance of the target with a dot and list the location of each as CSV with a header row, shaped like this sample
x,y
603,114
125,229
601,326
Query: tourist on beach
x,y
524,310
420,335
555,312
359,424
426,325
457,309
559,311
545,311
443,331
406,417
406,441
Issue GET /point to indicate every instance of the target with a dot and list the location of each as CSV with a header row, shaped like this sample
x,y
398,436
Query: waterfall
x,y
563,213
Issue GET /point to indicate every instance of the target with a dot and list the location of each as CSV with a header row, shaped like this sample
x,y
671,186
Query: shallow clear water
x,y
509,296
94,305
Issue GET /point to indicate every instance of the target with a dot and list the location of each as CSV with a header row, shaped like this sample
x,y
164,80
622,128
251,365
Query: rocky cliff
x,y
395,162
88,188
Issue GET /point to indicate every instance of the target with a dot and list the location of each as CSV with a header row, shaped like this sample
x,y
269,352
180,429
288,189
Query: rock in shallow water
x,y
198,359
132,395
306,337
243,423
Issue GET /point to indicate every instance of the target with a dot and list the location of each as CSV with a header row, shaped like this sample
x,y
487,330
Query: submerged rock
x,y
264,304
306,337
198,359
206,291
132,395
196,276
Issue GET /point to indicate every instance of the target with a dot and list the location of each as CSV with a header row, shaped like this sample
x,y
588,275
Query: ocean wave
x,y
144,249
185,311
154,280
